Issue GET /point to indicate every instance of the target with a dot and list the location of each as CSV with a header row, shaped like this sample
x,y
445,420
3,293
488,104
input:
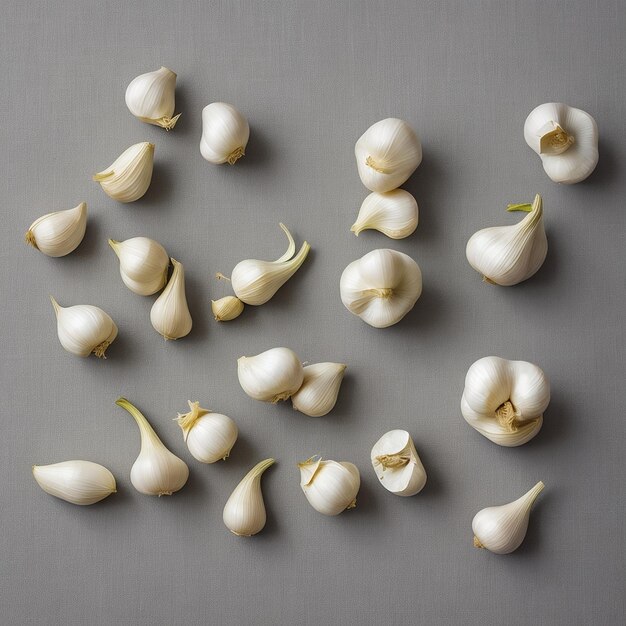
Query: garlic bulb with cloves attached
x,y
84,329
319,390
170,315
505,400
393,213
508,255
271,376
501,529
59,233
128,178
381,287
157,471
565,138
78,482
226,308
330,486
244,513
397,464
151,98
387,153
225,133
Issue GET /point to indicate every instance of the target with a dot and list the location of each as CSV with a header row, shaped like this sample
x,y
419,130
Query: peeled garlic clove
x,y
381,287
271,376
143,264
393,213
225,134
244,513
59,233
505,400
226,308
319,390
501,529
387,153
330,487
78,482
397,464
565,138
151,98
128,178
170,315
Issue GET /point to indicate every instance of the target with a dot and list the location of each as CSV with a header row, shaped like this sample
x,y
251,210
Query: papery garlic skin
x,y
227,308
84,329
397,464
387,153
244,513
78,482
330,487
129,176
225,133
393,213
271,376
318,393
565,138
151,97
504,400
170,315
59,233
501,529
143,264
508,255
381,287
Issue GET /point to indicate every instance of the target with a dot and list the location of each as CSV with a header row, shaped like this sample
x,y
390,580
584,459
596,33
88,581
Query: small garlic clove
x,y
393,213
151,97
225,134
143,264
319,390
227,308
170,315
59,233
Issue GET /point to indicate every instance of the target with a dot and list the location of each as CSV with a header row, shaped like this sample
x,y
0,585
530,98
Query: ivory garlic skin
x,y
565,138
170,315
393,213
387,153
227,308
59,233
318,393
381,287
397,464
505,400
225,134
78,482
143,264
508,255
501,529
151,98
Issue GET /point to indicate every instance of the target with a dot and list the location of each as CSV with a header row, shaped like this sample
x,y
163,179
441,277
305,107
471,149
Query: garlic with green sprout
x,y
227,308
151,97
170,315
393,213
225,133
59,233
318,393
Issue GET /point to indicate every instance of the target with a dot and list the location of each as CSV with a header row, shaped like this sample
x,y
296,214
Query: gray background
x,y
311,77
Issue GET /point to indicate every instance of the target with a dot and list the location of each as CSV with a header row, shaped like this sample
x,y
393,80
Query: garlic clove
x,y
319,390
226,308
59,233
143,264
151,97
393,213
225,134
170,315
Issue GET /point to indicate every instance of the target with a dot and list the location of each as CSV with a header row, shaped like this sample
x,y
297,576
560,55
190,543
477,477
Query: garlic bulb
x,y
143,264
209,436
329,486
565,138
150,97
244,513
393,213
501,529
387,153
128,178
226,308
319,390
157,471
381,287
397,464
225,133
59,233
271,376
508,255
505,400
78,482
84,329
170,315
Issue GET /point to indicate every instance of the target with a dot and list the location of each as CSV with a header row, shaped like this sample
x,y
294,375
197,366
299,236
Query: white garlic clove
x,y
225,133
59,233
78,482
319,390
393,213
151,97
397,464
227,308
143,264
170,315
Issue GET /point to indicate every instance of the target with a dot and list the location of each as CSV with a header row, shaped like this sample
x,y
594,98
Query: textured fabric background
x,y
311,77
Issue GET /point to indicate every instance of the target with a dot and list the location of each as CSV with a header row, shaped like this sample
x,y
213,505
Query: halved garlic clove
x,y
59,233
225,133
393,213
227,308
151,97
170,315
143,264
319,390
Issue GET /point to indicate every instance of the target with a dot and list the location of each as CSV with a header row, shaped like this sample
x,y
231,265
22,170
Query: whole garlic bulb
x,y
225,133
227,308
387,153
319,390
170,315
143,264
381,287
505,400
393,213
151,98
565,138
508,255
59,233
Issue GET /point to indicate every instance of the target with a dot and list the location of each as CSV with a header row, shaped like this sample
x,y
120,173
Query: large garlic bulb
x,y
151,98
318,393
393,213
170,315
143,264
225,133
59,233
